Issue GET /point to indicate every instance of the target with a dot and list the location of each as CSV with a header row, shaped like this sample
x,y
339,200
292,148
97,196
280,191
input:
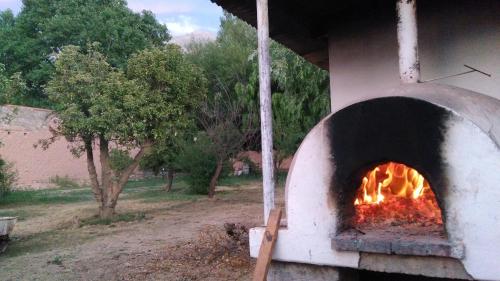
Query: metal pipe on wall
x,y
409,64
266,121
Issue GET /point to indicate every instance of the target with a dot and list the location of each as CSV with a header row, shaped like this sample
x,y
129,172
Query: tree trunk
x,y
94,182
107,174
107,212
170,179
115,186
215,177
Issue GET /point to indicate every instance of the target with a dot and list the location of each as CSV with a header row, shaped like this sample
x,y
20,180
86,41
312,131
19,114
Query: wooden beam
x,y
409,64
267,246
266,114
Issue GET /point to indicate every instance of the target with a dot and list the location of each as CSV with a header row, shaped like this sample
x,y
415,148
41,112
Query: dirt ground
x,y
179,241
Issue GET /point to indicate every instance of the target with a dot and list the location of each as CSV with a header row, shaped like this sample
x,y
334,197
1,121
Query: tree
x,y
228,60
196,157
31,41
163,159
299,100
287,127
166,71
229,115
11,88
97,104
228,124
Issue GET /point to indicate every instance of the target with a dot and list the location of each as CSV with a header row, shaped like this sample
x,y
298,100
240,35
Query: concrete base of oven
x,y
300,254
286,271
438,267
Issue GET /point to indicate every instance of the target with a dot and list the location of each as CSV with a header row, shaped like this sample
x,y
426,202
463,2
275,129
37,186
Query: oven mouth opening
x,y
395,212
395,197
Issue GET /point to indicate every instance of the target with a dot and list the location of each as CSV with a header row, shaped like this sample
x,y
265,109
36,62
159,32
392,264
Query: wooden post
x,y
266,116
409,64
267,246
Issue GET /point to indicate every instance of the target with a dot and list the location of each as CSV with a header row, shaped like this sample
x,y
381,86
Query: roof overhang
x,y
303,26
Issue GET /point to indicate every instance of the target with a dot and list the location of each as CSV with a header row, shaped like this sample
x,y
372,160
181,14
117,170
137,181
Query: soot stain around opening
x,y
369,133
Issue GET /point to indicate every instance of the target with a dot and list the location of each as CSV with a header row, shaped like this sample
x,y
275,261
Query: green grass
x,y
152,191
125,217
239,180
149,190
246,179
46,196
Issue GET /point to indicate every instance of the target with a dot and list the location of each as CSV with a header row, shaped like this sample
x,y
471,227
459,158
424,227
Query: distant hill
x,y
196,36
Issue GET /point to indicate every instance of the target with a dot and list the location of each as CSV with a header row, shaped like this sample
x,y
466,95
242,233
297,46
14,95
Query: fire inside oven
x,y
393,195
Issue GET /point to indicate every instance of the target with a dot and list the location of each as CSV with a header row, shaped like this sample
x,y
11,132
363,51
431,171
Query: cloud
x,y
181,25
182,16
160,7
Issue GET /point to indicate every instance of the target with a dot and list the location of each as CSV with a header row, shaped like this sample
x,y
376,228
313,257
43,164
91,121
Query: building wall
x,y
364,53
35,166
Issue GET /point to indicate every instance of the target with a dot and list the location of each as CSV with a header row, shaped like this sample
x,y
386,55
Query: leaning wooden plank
x,y
267,246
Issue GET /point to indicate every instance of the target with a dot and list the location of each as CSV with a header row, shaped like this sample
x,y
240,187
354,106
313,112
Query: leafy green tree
x,y
164,159
228,124
11,88
197,157
299,100
101,105
31,41
287,127
154,67
300,90
226,61
228,117
294,76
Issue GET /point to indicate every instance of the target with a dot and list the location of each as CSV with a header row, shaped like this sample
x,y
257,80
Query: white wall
x,y
364,59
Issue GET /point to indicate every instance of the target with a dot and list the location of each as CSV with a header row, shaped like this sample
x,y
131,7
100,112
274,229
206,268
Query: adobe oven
x,y
405,183
403,177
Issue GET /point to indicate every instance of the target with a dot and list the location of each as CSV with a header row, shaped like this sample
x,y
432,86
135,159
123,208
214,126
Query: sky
x,y
181,16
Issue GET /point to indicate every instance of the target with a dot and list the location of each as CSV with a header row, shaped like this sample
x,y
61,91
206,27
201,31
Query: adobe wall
x,y
36,166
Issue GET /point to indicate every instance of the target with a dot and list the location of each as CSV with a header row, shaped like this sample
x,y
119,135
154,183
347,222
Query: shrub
x,y
64,182
8,177
197,158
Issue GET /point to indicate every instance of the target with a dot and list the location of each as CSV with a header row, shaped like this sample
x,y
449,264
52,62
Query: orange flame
x,y
391,179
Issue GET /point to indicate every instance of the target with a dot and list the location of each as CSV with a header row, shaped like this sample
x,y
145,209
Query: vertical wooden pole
x,y
266,121
409,64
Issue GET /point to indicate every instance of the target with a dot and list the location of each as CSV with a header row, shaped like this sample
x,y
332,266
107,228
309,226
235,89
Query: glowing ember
x,y
396,194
